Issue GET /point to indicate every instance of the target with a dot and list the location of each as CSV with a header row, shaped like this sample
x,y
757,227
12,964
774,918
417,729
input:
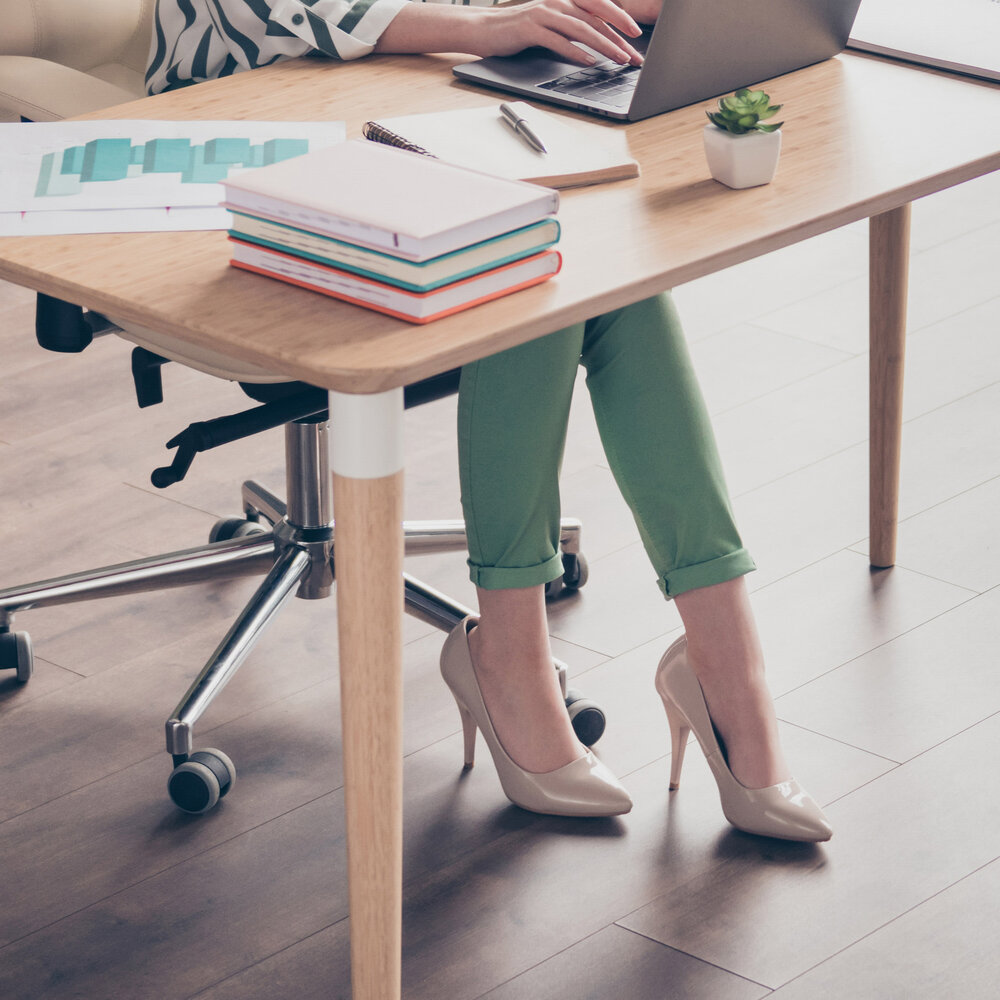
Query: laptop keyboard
x,y
607,82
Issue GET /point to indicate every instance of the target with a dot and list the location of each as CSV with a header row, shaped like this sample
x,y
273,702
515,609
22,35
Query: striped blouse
x,y
196,40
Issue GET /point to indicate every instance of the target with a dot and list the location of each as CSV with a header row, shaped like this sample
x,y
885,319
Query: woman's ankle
x,y
520,688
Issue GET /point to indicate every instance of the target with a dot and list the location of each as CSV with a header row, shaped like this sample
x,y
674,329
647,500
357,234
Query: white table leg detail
x,y
366,456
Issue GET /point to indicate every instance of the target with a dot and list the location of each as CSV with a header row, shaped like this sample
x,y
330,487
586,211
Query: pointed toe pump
x,y
784,810
583,787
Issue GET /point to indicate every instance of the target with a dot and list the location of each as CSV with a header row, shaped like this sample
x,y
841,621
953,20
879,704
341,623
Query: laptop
x,y
696,50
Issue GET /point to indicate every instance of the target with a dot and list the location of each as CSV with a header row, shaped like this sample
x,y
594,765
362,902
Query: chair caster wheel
x,y
587,717
234,527
16,655
198,783
574,576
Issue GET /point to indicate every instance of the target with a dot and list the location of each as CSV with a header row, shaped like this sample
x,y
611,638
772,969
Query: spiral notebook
x,y
578,153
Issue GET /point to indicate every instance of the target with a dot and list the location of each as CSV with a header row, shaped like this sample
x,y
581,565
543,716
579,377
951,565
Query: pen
x,y
521,128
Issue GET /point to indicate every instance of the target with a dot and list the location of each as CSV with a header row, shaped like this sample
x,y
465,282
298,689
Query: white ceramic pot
x,y
741,161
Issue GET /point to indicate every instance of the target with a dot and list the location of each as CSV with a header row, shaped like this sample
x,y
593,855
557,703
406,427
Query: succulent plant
x,y
744,112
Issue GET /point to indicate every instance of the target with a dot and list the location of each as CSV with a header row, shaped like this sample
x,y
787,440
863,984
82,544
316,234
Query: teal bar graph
x,y
106,160
114,159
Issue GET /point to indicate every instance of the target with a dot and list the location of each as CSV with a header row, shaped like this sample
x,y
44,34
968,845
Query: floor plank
x,y
895,845
944,947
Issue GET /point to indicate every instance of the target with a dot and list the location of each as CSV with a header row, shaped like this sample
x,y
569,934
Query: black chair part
x,y
296,401
65,328
69,329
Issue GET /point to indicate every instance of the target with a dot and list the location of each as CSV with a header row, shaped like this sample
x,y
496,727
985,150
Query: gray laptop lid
x,y
698,49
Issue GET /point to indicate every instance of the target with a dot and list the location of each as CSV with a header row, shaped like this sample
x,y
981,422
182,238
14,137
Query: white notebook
x,y
578,153
403,203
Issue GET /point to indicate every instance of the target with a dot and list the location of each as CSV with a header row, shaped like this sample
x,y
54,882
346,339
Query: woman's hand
x,y
560,26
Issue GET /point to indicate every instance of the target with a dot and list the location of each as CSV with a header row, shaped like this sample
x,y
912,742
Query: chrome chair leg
x,y
200,778
259,502
431,606
444,535
248,556
276,588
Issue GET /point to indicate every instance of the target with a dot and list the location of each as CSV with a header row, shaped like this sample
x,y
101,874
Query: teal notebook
x,y
416,277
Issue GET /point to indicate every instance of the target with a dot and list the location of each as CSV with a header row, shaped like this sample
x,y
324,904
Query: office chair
x,y
62,57
57,58
292,542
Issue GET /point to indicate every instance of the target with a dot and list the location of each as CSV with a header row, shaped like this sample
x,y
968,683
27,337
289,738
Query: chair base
x,y
293,546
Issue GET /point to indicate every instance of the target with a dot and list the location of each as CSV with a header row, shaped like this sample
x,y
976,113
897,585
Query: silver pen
x,y
521,128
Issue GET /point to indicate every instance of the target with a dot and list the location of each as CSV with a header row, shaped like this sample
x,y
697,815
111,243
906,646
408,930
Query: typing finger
x,y
567,33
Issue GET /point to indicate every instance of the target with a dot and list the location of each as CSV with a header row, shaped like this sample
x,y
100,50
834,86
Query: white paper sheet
x,y
135,176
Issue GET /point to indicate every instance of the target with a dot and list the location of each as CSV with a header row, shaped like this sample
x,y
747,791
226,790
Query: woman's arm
x,y
197,40
492,31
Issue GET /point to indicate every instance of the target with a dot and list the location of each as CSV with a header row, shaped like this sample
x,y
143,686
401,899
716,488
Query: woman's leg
x,y
513,411
724,652
660,445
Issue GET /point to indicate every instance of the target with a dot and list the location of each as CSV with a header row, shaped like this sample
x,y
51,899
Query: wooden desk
x,y
863,139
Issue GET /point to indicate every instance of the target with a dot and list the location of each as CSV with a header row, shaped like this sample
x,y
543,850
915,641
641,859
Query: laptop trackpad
x,y
527,68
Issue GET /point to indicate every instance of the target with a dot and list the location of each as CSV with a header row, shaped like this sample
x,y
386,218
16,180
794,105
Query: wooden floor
x,y
887,684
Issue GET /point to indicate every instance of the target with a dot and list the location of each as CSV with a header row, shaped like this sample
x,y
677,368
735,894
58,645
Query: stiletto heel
x,y
784,810
469,729
680,731
583,787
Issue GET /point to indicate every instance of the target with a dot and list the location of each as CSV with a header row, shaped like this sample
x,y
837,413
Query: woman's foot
x,y
724,652
581,786
782,809
743,715
521,691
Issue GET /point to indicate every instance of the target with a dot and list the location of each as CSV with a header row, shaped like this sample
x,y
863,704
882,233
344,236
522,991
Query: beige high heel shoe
x,y
583,787
784,810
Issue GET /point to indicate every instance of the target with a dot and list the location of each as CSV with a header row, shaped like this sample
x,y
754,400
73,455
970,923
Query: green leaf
x,y
743,111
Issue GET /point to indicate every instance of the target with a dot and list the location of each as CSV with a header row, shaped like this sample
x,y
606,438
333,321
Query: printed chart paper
x,y
136,176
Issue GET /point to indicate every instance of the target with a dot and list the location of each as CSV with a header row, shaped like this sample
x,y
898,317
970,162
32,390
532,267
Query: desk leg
x,y
367,459
888,269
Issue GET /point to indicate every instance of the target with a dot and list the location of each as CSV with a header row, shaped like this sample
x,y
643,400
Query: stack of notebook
x,y
406,234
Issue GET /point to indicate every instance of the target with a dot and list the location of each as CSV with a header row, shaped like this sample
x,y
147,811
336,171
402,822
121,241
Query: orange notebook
x,y
415,307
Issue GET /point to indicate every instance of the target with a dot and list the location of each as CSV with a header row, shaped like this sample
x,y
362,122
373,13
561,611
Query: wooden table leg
x,y
888,269
366,453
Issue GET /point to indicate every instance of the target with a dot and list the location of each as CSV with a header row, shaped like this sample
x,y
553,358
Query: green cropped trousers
x,y
513,411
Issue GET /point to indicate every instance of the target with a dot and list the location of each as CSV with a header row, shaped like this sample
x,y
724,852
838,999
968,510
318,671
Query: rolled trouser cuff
x,y
511,577
706,574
